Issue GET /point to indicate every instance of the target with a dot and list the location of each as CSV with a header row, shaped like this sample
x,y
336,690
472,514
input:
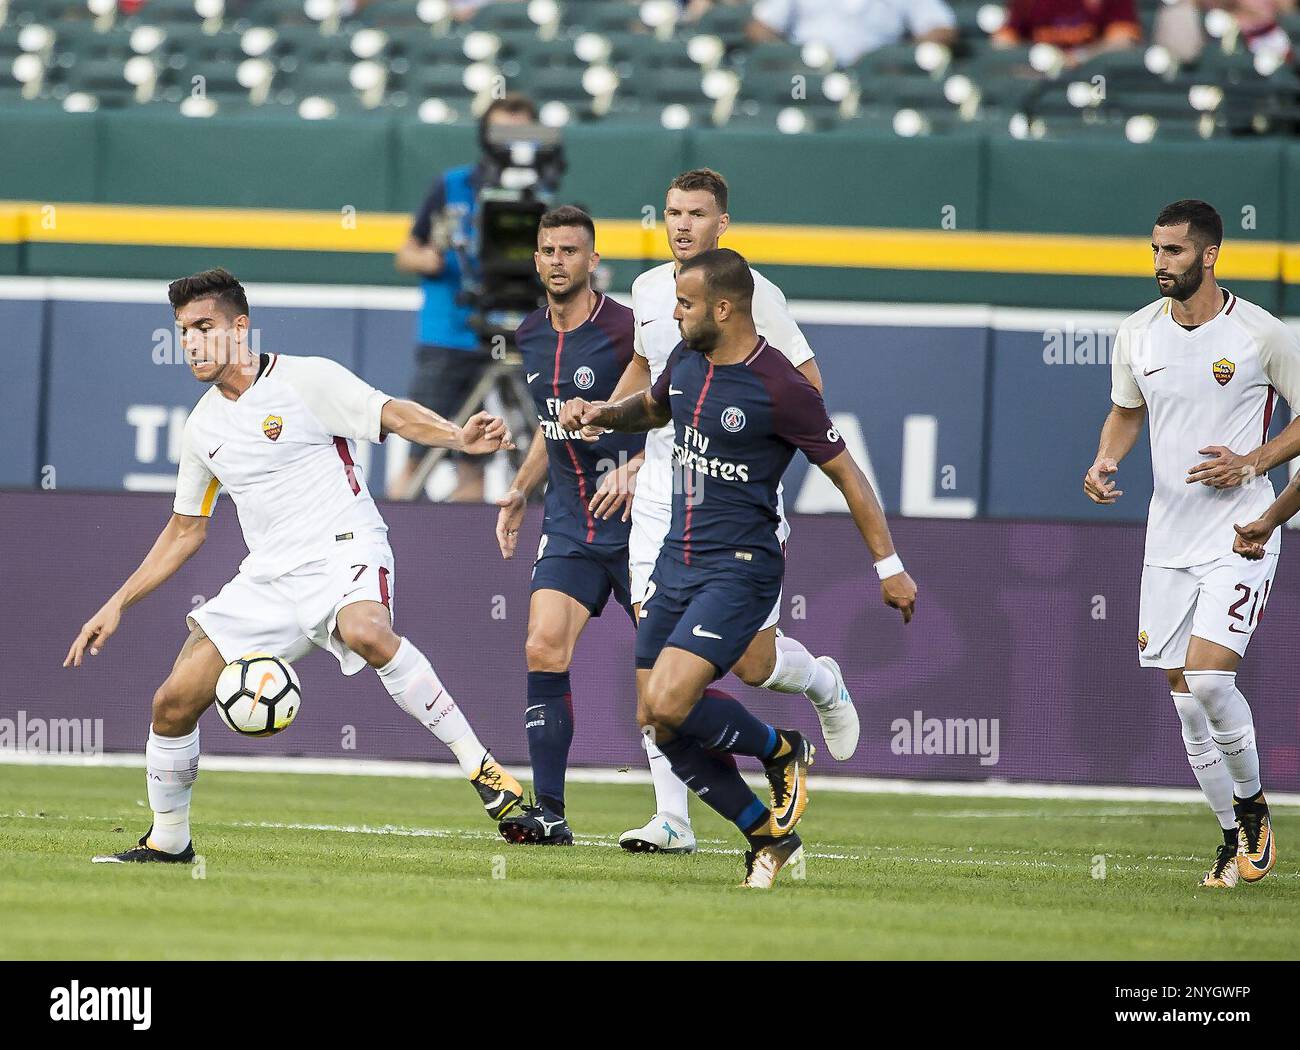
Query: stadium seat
x,y
612,16
499,18
392,14
165,12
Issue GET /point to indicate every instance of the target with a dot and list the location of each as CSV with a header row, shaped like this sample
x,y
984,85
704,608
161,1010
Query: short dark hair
x,y
218,284
568,215
1203,222
726,274
513,102
703,179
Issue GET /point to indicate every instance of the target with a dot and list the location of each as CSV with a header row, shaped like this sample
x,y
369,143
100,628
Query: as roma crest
x,y
1223,371
1142,641
272,425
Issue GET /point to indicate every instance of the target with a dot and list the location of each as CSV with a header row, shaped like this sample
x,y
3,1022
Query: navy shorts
x,y
586,573
711,612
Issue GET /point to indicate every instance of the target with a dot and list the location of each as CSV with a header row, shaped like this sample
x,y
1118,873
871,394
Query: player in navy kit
x,y
577,346
739,410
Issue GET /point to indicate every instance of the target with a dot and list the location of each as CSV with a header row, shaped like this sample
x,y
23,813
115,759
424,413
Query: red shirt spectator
x,y
1070,23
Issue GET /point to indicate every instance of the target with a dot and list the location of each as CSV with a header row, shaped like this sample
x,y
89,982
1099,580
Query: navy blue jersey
x,y
735,428
587,362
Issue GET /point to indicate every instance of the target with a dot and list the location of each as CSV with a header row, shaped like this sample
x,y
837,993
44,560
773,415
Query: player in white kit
x,y
1204,365
278,433
695,216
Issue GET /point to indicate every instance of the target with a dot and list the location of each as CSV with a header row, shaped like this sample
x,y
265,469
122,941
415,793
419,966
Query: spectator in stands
x,y
1180,26
449,358
852,28
1081,28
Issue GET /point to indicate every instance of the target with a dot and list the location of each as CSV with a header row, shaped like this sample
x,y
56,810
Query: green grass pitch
x,y
358,867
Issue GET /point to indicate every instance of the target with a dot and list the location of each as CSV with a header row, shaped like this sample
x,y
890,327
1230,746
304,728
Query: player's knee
x,y
664,703
755,668
543,651
371,637
174,712
1177,683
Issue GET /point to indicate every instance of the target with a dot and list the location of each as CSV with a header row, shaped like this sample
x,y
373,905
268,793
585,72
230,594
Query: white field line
x,y
852,785
1010,858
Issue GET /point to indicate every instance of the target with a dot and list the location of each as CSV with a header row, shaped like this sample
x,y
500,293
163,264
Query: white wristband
x,y
888,567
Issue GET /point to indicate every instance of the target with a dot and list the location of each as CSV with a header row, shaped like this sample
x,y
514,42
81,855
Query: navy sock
x,y
548,720
716,782
722,723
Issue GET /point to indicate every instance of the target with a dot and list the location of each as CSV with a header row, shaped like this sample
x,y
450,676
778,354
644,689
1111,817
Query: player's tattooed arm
x,y
482,433
632,415
180,538
897,591
1118,436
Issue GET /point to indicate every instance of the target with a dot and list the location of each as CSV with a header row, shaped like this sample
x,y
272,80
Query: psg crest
x,y
1223,371
583,378
271,427
733,419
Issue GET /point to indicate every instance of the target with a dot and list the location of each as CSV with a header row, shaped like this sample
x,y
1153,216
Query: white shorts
x,y
289,615
1221,601
650,523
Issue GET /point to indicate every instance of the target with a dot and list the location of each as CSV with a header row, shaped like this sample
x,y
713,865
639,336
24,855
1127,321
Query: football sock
x,y
1230,837
670,792
721,723
172,766
1204,758
1231,726
797,671
415,687
548,720
715,781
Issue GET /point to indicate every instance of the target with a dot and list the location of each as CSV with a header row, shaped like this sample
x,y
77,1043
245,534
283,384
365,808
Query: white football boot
x,y
839,720
664,833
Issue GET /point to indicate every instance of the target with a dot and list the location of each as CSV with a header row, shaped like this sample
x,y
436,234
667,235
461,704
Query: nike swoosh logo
x,y
501,797
792,807
533,375
1237,630
671,391
216,450
1262,863
699,632
429,705
1155,370
651,321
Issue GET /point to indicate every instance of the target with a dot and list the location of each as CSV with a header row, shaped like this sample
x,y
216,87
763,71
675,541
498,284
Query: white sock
x,y
171,767
797,671
670,792
417,690
1204,758
1231,726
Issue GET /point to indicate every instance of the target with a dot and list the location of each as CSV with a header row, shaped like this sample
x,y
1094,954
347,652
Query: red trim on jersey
x,y
1231,303
695,423
1268,414
383,588
600,302
349,468
573,456
757,350
271,367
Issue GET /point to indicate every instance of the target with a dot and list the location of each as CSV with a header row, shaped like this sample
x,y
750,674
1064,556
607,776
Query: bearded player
x,y
739,410
579,344
1204,364
279,434
695,217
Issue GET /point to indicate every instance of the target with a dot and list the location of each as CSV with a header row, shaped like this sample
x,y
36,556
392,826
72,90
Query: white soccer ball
x,y
258,695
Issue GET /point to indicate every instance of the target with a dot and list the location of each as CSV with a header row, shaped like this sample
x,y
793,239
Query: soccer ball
x,y
258,695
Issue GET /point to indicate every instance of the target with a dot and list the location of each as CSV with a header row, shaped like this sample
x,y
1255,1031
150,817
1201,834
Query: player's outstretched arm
x,y
1250,539
898,590
632,415
635,378
179,539
1225,469
482,433
1119,434
530,474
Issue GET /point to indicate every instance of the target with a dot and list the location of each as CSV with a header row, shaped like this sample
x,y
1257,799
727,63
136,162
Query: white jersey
x,y
654,298
1214,385
285,452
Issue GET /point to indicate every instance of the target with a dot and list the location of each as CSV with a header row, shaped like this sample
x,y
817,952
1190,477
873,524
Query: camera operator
x,y
450,357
